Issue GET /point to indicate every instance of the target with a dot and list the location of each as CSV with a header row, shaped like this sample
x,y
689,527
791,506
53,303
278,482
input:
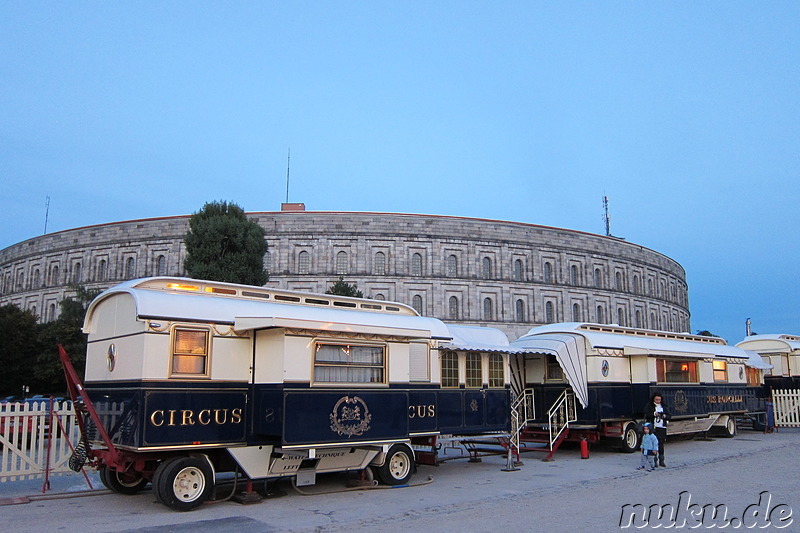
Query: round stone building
x,y
508,275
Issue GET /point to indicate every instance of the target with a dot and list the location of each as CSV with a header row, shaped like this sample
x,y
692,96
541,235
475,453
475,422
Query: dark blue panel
x,y
474,409
498,409
347,416
450,410
194,417
422,411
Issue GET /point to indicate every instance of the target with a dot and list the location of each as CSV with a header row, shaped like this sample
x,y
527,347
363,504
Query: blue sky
x,y
686,114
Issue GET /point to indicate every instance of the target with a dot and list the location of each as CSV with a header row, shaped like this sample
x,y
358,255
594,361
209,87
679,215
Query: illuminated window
x,y
668,371
554,372
347,363
474,374
496,376
720,370
190,352
450,370
753,376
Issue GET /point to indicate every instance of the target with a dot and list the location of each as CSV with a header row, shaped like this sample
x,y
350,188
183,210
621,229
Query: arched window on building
x,y
649,287
576,312
54,276
20,281
379,264
573,275
102,270
268,262
519,308
416,264
518,270
653,321
36,279
549,313
452,266
636,288
486,268
548,272
416,303
130,268
161,265
638,319
598,278
341,263
488,309
77,274
600,317
621,316
51,312
452,308
33,310
304,262
618,281
380,296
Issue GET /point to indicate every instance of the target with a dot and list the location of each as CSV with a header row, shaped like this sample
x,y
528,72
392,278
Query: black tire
x,y
184,483
729,430
398,467
122,482
157,475
631,439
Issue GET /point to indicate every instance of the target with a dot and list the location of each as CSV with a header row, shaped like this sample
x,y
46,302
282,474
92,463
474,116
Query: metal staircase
x,y
551,434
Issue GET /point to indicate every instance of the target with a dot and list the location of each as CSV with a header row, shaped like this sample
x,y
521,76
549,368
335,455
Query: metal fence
x,y
36,438
787,407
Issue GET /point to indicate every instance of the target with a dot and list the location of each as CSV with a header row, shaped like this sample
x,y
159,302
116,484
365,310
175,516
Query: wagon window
x,y
496,378
190,351
450,369
676,371
474,374
347,363
554,370
753,378
720,370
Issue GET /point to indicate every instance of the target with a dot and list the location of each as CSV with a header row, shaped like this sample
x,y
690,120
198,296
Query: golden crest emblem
x,y
681,402
350,416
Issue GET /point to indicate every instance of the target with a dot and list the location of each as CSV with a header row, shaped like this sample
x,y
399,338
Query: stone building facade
x,y
505,274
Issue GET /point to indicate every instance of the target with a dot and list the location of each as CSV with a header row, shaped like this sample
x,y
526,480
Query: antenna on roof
x,y
747,329
288,160
46,213
606,218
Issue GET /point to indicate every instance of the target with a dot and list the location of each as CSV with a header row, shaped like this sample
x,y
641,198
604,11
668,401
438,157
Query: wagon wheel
x,y
122,482
398,467
184,483
630,438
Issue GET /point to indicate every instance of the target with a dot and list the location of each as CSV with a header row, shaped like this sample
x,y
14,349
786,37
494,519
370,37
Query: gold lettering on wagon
x,y
187,417
421,411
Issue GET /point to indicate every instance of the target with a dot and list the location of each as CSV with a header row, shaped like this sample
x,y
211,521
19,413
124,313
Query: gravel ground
x,y
568,494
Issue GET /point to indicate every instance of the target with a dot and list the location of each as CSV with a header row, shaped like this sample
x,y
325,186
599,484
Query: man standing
x,y
656,414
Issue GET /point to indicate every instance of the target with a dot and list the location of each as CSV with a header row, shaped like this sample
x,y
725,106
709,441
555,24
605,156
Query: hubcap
x,y
189,484
399,465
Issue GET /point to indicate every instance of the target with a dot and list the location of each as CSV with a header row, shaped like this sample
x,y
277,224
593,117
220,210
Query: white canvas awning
x,y
755,361
478,339
570,352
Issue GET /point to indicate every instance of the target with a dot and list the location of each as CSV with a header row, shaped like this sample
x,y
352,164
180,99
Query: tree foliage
x,y
29,353
706,333
222,244
342,288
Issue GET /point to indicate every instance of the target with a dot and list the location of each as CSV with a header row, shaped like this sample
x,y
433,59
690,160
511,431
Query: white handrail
x,y
560,415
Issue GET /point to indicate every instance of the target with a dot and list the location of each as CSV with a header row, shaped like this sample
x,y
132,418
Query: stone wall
x,y
509,275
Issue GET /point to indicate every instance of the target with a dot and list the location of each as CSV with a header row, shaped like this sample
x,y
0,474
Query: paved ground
x,y
569,494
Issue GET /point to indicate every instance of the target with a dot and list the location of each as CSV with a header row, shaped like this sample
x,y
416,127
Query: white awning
x,y
755,361
570,352
478,339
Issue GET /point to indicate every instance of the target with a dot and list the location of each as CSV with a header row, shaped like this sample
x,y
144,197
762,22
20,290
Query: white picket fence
x,y
32,441
786,407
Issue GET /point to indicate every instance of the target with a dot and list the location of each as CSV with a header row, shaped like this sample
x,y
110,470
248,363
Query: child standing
x,y
649,448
